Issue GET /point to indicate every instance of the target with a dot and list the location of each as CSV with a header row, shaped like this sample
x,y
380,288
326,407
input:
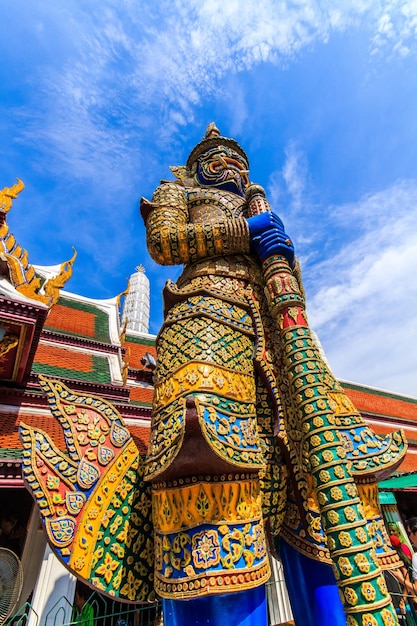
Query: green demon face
x,y
224,168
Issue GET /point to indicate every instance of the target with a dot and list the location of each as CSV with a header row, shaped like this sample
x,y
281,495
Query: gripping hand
x,y
268,237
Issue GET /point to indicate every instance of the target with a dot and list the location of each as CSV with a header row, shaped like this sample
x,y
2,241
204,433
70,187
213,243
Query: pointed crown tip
x,y
212,131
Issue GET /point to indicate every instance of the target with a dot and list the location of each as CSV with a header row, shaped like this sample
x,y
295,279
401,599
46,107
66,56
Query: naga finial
x,y
122,337
53,285
8,194
123,293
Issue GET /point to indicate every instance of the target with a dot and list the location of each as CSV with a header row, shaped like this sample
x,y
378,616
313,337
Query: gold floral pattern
x,y
351,596
333,517
345,566
368,592
336,493
364,566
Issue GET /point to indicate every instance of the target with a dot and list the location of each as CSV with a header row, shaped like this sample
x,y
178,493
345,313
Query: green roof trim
x,y
378,392
140,340
101,321
387,497
144,404
407,481
100,372
10,453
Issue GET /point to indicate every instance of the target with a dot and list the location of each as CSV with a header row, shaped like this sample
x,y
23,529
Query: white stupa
x,y
136,307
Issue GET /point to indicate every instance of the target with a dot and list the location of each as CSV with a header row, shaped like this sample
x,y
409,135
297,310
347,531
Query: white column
x,y
53,594
278,600
32,555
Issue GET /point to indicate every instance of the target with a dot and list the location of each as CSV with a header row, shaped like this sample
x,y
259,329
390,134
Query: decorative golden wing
x,y
94,504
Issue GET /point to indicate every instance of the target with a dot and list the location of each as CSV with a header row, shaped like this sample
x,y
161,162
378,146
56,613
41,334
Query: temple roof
x,y
67,362
385,412
378,402
88,318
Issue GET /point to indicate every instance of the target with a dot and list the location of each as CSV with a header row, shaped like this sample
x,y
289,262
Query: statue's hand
x,y
268,237
275,242
259,224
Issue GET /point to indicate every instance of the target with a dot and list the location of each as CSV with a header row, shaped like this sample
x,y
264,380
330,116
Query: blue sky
x,y
98,98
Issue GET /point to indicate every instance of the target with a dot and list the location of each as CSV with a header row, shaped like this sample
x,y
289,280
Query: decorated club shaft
x,y
359,578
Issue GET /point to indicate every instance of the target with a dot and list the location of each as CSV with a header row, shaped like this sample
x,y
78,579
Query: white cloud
x,y
363,301
165,58
290,194
396,28
294,174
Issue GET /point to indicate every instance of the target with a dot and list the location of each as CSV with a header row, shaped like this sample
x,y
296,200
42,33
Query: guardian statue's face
x,y
224,168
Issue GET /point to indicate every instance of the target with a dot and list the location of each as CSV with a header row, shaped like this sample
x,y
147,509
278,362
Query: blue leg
x,y
247,608
312,589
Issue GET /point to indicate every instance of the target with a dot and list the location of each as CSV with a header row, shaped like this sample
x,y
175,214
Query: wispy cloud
x,y
362,301
123,58
291,181
396,29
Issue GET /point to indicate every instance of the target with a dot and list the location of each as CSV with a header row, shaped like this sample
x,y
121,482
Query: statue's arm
x,y
172,239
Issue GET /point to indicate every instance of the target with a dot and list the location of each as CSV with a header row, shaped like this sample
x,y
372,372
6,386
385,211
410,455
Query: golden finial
x,y
123,293
8,194
140,268
53,285
123,332
125,367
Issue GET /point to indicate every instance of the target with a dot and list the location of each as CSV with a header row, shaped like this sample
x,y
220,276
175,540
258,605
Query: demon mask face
x,y
224,168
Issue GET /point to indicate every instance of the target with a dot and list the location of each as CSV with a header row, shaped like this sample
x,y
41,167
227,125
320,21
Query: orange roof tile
x,y
389,427
141,394
409,464
137,351
9,428
140,435
61,360
382,404
62,357
71,320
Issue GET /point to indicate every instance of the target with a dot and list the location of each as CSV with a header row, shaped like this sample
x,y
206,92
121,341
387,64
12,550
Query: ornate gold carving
x,y
53,285
94,503
21,273
9,341
216,501
123,294
8,194
125,366
202,377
